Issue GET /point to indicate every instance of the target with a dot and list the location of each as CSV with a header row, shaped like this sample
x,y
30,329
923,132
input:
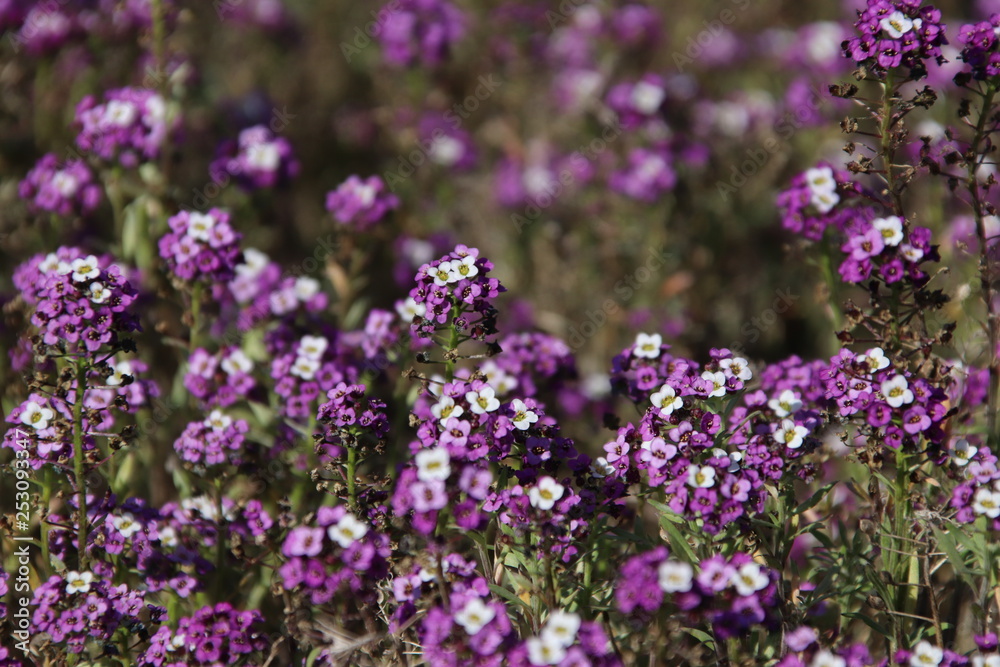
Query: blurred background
x,y
688,243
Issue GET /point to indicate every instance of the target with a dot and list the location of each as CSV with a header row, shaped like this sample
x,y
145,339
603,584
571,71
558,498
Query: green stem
x,y
78,464
887,151
992,316
220,540
195,317
352,492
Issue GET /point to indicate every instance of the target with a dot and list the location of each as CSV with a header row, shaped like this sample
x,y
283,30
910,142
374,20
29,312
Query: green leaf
x,y
946,541
701,636
678,543
814,499
867,621
508,595
666,512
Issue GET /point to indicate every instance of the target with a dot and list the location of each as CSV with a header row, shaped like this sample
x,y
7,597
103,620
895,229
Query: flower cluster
x,y
80,608
902,408
82,305
810,205
979,48
730,594
339,553
201,247
261,160
421,32
881,244
216,440
361,203
895,33
453,288
60,188
261,291
351,419
309,369
219,379
214,635
130,126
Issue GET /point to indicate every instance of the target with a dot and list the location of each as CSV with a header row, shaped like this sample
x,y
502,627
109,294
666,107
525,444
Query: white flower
x,y
306,288
897,391
126,525
118,372
718,381
67,184
254,261
545,494
119,113
821,179
52,264
218,422
523,417
545,650
432,464
461,269
737,367
176,642
701,477
791,434
85,268
824,201
749,579
600,467
987,502
99,293
409,310
305,368
237,363
897,24
734,458
962,452
312,347
647,346
786,404
475,615
78,582
562,627
446,150
675,576
646,97
498,378
347,531
264,156
482,401
891,229
825,658
440,273
446,408
989,660
200,225
666,400
910,253
875,358
167,536
926,654
36,416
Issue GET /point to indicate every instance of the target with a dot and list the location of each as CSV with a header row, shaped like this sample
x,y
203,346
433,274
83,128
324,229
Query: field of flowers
x,y
511,332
